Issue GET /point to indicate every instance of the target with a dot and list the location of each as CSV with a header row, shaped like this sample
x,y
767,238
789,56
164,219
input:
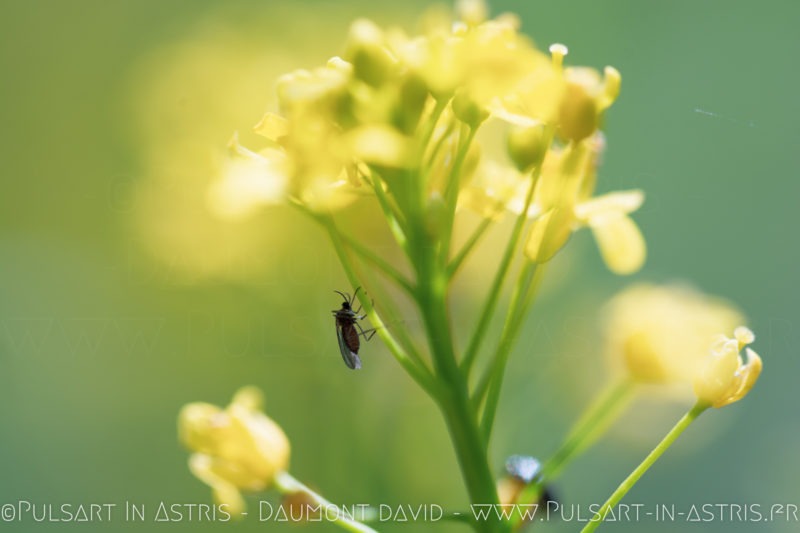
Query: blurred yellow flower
x,y
249,180
722,377
234,449
661,333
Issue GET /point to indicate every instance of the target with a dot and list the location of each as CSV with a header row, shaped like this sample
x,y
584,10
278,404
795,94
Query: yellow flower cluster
x,y
672,334
392,112
234,449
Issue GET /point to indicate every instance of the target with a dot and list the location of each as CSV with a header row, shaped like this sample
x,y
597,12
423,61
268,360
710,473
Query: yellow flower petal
x,y
620,241
249,397
717,374
272,126
197,423
624,202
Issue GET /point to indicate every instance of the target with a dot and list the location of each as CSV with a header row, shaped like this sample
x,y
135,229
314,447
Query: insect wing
x,y
351,359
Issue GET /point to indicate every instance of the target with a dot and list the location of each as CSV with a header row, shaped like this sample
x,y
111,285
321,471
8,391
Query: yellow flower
x,y
571,99
564,203
234,449
249,180
723,378
307,141
660,333
494,189
483,59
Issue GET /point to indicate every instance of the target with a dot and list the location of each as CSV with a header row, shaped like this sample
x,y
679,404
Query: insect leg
x,y
368,333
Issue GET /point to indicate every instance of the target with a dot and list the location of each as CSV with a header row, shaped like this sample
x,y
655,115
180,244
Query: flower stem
x,y
524,292
639,471
455,404
458,260
493,296
603,411
453,187
591,425
287,484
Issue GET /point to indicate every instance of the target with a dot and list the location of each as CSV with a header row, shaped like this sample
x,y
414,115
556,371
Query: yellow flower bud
x,y
526,146
472,12
722,378
578,113
234,449
549,234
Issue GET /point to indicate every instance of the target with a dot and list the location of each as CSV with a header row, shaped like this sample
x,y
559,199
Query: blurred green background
x,y
121,299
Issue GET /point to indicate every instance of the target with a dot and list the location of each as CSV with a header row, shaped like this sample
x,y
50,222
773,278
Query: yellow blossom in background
x,y
660,333
249,180
722,377
235,449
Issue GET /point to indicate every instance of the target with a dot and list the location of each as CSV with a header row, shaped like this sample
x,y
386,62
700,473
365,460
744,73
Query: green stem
x,y
416,175
394,219
493,296
597,418
440,143
592,424
364,252
287,484
384,267
455,403
524,292
645,465
452,188
458,260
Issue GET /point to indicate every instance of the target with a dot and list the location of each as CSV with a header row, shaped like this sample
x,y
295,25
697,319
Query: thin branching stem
x,y
493,296
468,246
364,252
644,466
521,300
452,189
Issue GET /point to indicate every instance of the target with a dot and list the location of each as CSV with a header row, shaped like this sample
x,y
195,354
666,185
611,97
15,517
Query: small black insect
x,y
348,330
